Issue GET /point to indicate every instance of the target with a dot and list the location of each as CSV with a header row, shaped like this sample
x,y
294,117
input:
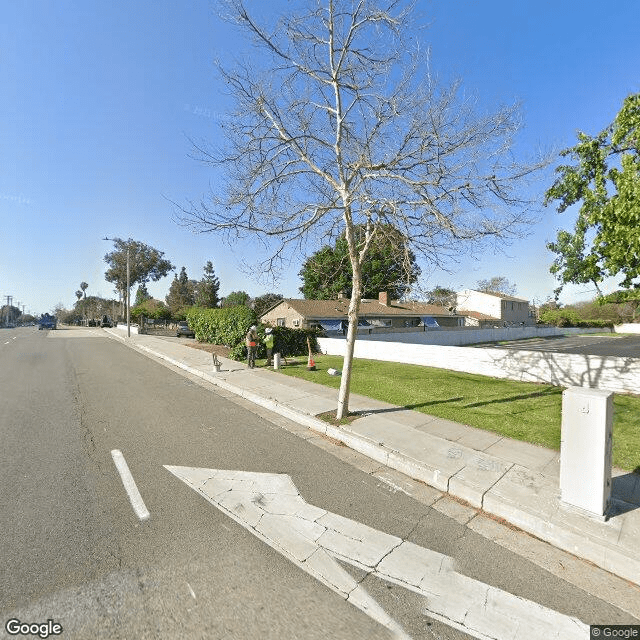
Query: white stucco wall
x,y
627,328
475,336
620,375
515,310
477,301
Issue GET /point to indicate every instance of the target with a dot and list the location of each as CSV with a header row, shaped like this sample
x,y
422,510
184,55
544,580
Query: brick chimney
x,y
383,298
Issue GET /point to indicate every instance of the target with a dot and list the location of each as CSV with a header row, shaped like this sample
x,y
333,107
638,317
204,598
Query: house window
x,y
281,322
296,322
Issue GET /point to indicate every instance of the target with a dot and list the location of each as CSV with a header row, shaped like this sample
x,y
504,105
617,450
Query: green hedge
x,y
229,326
290,342
570,318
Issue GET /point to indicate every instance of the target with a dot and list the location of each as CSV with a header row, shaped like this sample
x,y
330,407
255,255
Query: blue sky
x,y
100,98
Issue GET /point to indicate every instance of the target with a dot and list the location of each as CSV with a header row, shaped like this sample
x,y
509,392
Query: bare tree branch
x,y
344,126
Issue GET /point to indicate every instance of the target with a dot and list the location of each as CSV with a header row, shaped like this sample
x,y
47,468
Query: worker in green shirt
x,y
268,343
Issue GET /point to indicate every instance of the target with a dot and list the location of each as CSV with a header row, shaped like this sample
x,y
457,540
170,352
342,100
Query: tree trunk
x,y
352,332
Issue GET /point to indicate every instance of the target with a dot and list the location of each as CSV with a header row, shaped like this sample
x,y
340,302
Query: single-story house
x,y
493,309
331,315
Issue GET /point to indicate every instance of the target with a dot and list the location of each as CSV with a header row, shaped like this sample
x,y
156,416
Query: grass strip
x,y
524,411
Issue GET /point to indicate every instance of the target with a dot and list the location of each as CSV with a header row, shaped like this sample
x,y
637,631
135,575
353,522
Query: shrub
x,y
151,309
569,317
229,326
293,342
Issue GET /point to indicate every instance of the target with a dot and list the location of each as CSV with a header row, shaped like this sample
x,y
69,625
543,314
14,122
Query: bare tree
x,y
344,127
497,284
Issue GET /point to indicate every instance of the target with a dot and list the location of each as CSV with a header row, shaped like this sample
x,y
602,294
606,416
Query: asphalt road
x,y
73,549
618,346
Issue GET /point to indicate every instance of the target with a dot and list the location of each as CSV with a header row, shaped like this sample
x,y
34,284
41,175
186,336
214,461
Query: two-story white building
x,y
493,309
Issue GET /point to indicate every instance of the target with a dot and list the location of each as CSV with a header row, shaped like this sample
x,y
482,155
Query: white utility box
x,y
585,449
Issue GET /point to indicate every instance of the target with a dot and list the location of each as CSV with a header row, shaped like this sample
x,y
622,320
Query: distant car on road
x,y
184,330
106,322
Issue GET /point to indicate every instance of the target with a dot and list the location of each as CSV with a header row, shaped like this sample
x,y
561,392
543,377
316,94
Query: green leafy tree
x,y
181,293
625,304
263,303
146,264
84,286
605,181
151,308
206,291
94,307
390,266
236,298
497,284
142,294
9,314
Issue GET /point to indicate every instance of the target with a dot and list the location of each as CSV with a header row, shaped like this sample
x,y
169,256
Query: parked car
x,y
106,322
184,330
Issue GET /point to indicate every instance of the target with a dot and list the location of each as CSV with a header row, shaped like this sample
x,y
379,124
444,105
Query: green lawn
x,y
521,410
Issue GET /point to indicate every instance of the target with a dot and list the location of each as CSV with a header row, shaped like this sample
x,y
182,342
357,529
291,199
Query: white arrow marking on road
x,y
270,507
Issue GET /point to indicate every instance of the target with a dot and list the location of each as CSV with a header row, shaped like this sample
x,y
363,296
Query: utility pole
x,y
8,314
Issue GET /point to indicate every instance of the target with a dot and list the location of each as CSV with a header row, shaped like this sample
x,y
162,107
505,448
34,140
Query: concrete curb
x,y
481,487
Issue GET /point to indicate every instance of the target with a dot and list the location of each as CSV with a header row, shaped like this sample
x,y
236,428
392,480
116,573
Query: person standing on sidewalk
x,y
251,341
268,343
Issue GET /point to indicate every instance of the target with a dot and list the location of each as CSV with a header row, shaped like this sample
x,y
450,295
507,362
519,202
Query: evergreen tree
x,y
206,291
142,294
181,293
390,266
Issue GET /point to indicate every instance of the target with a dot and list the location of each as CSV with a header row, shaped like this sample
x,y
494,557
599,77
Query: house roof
x,y
498,295
312,309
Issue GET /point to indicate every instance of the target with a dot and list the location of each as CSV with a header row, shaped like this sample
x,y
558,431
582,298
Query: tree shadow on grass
x,y
418,405
526,396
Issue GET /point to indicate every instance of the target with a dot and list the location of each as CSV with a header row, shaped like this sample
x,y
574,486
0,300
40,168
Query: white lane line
x,y
130,485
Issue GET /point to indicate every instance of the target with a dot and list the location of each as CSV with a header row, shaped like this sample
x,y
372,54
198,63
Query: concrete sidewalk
x,y
510,479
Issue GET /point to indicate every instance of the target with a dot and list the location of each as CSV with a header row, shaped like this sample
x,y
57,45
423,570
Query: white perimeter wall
x,y
621,375
456,337
627,328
